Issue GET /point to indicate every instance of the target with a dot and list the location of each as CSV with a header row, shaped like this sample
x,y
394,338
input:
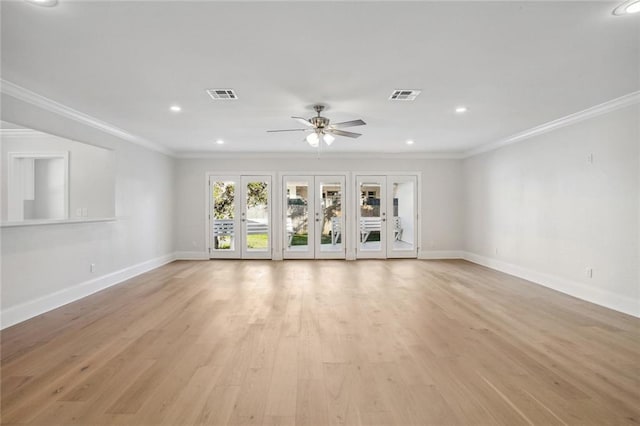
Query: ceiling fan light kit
x,y
323,129
628,7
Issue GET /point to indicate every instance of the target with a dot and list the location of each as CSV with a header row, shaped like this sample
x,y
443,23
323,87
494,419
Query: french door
x,y
240,217
386,217
313,219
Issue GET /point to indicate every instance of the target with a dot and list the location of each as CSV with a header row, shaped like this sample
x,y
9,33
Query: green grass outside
x,y
303,239
258,241
254,241
261,241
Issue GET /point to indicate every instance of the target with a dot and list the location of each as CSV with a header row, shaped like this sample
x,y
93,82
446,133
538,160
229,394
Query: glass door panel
x,y
298,209
224,217
371,217
330,217
313,217
402,228
256,217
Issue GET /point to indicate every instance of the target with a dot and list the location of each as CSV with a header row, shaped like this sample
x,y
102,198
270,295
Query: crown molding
x,y
22,133
33,98
230,155
26,95
594,111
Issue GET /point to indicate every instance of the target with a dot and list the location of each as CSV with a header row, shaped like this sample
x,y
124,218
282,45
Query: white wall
x,y
47,266
441,194
541,210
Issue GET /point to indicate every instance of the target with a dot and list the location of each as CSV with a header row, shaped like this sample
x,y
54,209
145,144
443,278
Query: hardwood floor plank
x,y
283,387
395,342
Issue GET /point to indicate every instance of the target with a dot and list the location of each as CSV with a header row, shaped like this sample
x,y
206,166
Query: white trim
x,y
22,133
33,98
439,254
40,101
41,222
577,289
350,155
594,111
191,255
32,308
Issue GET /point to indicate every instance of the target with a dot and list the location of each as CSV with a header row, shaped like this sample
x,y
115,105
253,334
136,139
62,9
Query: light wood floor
x,y
400,342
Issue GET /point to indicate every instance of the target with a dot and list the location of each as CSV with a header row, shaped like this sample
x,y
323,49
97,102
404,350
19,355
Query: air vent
x,y
404,95
222,94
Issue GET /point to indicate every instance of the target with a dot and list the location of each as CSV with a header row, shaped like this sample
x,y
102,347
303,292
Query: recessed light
x,y
627,8
461,109
410,142
175,108
220,142
46,3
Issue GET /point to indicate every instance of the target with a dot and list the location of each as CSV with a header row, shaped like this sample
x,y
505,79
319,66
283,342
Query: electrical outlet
x,y
92,267
590,159
589,272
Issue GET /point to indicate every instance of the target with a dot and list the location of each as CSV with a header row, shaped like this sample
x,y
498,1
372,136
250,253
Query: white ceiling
x,y
515,65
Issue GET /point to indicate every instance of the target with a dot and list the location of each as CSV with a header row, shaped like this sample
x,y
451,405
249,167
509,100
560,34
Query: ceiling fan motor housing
x,y
319,122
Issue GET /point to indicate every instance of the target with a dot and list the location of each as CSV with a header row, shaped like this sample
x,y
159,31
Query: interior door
x,y
225,238
402,222
255,217
371,217
299,226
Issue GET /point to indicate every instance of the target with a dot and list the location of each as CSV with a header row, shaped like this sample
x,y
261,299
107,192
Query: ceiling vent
x,y
222,94
404,95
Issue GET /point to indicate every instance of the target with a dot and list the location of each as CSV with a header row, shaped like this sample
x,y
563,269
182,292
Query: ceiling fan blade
x,y
351,123
343,133
303,121
287,130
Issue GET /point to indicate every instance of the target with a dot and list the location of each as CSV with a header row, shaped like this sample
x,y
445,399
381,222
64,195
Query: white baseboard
x,y
32,308
191,255
577,289
439,254
24,311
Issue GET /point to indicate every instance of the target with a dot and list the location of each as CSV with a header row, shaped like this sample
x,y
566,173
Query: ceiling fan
x,y
322,129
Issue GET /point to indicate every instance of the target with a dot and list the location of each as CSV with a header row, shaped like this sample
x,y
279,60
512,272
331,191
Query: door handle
x,y
384,220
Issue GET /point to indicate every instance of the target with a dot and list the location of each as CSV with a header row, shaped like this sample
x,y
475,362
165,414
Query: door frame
x,y
315,251
277,212
387,173
244,221
349,252
237,252
371,254
400,254
311,201
273,195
